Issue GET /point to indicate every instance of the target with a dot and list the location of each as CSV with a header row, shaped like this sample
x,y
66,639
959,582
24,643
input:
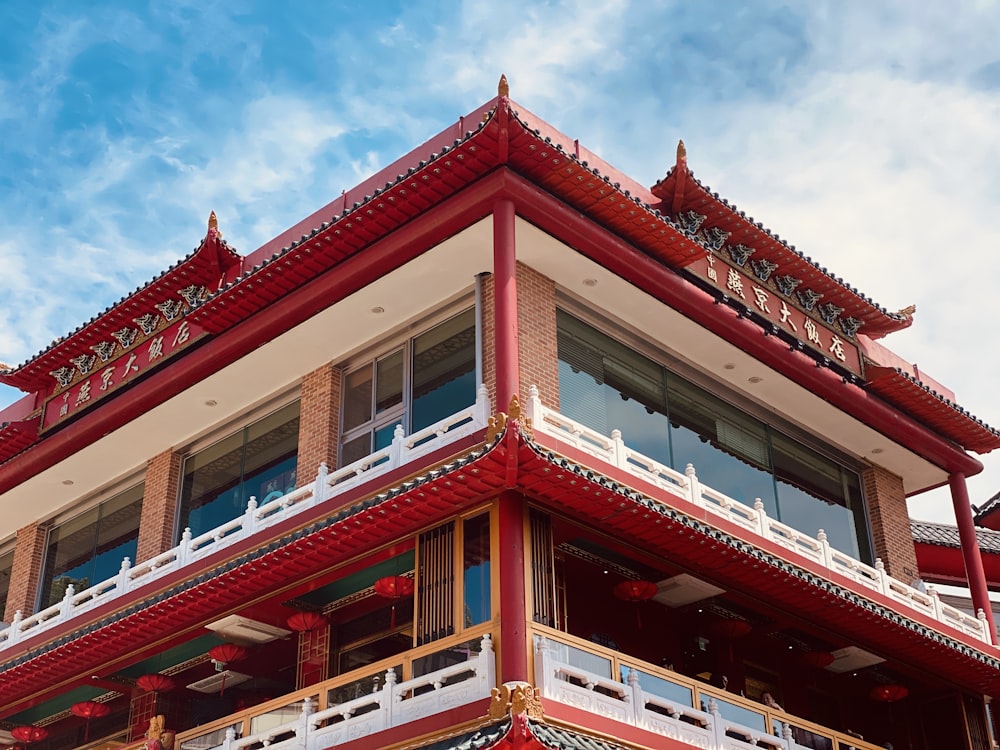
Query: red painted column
x,y
970,549
513,608
513,597
505,291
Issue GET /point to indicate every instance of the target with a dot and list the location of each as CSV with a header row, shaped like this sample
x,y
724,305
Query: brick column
x,y
26,571
890,523
319,422
157,524
538,351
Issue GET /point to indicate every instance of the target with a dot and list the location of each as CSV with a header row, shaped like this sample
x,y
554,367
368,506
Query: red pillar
x,y
513,608
970,549
513,605
505,292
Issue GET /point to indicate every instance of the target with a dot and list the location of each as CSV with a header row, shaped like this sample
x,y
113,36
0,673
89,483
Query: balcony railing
x,y
610,684
192,549
613,450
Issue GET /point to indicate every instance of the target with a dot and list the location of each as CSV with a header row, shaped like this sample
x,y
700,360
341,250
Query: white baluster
x,y
533,408
635,697
389,697
230,740
984,627
15,628
66,605
824,549
302,730
250,517
694,486
184,553
482,414
883,577
618,449
763,527
123,577
320,489
396,450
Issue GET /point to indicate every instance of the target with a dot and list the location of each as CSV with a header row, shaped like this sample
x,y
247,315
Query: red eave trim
x,y
18,436
913,397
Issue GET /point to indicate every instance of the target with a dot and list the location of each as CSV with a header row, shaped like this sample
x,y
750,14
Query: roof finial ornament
x,y
503,88
682,153
213,224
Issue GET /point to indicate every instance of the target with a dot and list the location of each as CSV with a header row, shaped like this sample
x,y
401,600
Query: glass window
x,y
258,461
606,386
477,570
6,565
430,377
90,548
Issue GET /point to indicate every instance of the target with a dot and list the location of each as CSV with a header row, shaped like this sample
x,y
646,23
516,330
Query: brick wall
x,y
157,524
29,554
890,523
489,342
319,422
536,323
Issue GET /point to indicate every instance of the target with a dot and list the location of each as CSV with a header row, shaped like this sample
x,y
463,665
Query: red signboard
x,y
113,374
770,304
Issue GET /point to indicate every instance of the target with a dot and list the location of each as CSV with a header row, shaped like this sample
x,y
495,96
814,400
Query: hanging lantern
x,y
28,733
303,622
155,683
223,655
817,659
89,710
888,693
636,592
395,588
730,628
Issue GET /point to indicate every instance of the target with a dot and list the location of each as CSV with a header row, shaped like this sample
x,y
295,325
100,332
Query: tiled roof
x,y
943,535
483,737
991,506
556,738
546,736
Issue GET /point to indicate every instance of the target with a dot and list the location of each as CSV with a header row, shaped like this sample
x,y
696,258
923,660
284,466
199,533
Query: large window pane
x,y
728,449
444,370
477,570
90,548
357,398
258,461
389,378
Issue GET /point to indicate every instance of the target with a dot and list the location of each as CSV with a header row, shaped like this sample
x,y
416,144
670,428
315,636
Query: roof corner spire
x,y
503,88
213,224
682,153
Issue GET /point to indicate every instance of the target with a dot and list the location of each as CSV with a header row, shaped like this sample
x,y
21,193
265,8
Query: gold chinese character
x,y
786,316
156,348
735,283
811,331
760,297
837,347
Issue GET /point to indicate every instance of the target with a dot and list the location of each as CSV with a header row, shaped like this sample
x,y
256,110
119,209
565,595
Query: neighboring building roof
x,y
987,515
941,534
537,736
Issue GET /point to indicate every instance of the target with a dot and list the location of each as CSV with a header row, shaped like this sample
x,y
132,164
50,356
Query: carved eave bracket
x,y
519,700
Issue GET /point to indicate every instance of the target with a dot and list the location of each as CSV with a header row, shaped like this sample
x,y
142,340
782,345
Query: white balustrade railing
x,y
403,450
701,718
612,450
390,705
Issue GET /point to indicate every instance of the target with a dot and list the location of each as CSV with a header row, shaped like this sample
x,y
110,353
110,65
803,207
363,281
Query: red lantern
x,y
302,622
226,653
731,628
223,655
817,659
635,591
888,693
28,733
89,710
395,588
155,683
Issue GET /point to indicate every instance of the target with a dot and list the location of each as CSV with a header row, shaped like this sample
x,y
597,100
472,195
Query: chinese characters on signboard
x,y
110,375
832,344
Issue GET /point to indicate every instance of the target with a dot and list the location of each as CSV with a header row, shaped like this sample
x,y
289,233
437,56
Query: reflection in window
x,y
428,378
258,461
477,570
6,565
607,386
90,548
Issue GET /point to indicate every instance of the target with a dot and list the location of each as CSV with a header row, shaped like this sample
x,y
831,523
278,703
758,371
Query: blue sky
x,y
867,134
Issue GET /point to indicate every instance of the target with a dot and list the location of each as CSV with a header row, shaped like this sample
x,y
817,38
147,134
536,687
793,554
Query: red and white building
x,y
499,449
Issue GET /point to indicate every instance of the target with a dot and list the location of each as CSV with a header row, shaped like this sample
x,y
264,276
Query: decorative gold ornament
x,y
495,425
503,89
515,699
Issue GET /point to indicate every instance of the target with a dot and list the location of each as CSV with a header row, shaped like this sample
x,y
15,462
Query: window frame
x,y
744,403
402,339
223,430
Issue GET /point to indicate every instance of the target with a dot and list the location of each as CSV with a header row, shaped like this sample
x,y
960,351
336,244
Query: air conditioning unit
x,y
236,628
216,682
851,659
684,589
